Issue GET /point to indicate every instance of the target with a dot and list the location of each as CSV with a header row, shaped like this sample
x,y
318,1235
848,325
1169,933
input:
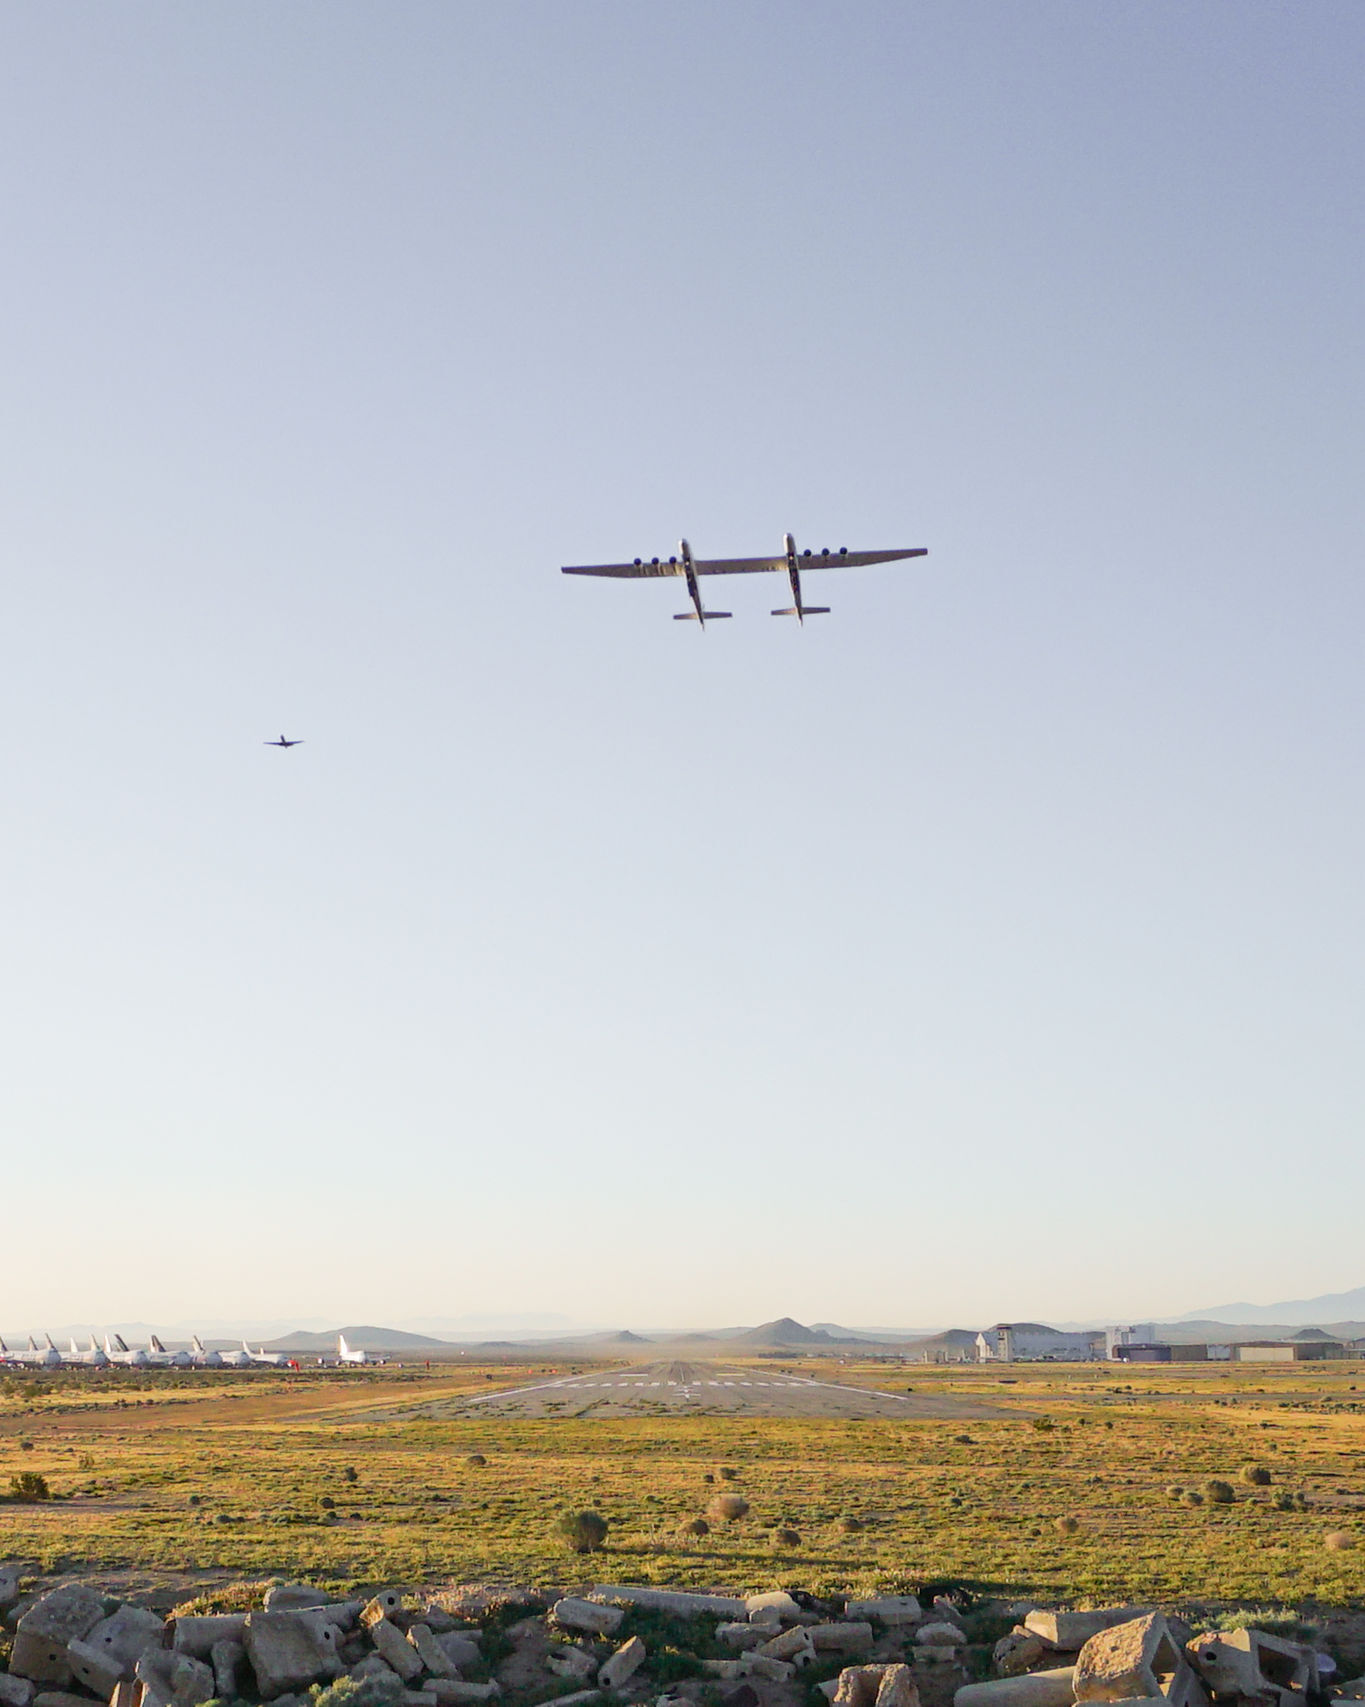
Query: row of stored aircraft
x,y
116,1352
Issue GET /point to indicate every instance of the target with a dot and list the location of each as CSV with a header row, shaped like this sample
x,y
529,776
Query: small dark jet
x,y
281,743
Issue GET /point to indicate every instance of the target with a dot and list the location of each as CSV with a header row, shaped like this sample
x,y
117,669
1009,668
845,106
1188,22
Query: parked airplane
x,y
94,1357
270,1359
281,743
360,1355
117,1350
45,1356
690,568
158,1354
203,1359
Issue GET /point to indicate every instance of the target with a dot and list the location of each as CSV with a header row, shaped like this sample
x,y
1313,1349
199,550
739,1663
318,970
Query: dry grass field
x,y
1078,1492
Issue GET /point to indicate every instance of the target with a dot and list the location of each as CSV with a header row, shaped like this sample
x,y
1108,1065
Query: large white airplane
x,y
360,1355
271,1359
92,1356
168,1359
45,1356
202,1359
117,1350
690,568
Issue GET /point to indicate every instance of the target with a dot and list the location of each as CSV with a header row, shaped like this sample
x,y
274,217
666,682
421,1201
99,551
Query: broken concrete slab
x,y
793,1644
1068,1632
897,1688
743,1635
1137,1658
461,1647
382,1605
395,1649
175,1680
98,1672
453,1692
289,1597
226,1659
371,1666
41,1660
340,1614
10,1572
61,1616
589,1616
940,1634
432,1655
684,1604
844,1638
1035,1689
119,1640
59,1698
726,1670
578,1700
196,1636
778,1606
755,1665
863,1686
287,1653
565,1659
886,1609
15,1691
1248,1662
1018,1652
623,1664
65,1614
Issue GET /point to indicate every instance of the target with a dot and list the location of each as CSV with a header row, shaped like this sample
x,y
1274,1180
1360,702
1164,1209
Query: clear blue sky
x,y
990,947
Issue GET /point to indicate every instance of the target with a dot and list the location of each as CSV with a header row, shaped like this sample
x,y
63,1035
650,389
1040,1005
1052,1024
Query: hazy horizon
x,y
989,944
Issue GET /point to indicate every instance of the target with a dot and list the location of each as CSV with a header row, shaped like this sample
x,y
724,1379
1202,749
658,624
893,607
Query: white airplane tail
x,y
154,1344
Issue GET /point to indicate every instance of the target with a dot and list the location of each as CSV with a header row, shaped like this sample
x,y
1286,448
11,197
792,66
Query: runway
x,y
703,1389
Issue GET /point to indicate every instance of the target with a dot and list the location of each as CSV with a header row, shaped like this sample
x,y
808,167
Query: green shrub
x,y
1193,1497
1219,1493
378,1691
1256,1475
1044,1425
584,1531
850,1524
728,1473
28,1487
1067,1525
786,1538
1284,1500
1339,1540
1174,1492
698,1526
729,1507
476,1460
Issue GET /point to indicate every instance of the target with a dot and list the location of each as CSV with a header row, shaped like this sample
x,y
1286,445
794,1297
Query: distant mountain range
x,y
1303,1312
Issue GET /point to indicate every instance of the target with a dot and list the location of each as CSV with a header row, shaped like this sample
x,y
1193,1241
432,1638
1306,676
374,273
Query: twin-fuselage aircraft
x,y
791,560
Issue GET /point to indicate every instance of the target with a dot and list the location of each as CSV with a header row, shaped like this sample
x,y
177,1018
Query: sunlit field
x,y
1092,1484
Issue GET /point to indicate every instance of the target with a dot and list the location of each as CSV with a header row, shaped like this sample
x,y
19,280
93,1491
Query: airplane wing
x,y
804,560
742,565
626,571
850,559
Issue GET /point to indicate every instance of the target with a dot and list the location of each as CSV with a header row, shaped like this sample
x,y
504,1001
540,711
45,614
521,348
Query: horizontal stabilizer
x,y
691,615
806,610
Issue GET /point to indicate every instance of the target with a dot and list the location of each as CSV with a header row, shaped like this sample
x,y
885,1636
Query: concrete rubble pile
x,y
71,1646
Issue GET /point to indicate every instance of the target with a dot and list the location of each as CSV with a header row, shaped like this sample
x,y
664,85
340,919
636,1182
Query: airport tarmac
x,y
703,1389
